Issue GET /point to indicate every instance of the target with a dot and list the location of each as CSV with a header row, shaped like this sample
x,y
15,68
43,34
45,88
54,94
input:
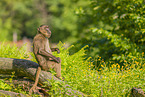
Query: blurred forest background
x,y
112,29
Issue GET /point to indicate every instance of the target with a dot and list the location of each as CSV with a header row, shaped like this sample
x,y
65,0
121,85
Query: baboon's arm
x,y
55,49
48,55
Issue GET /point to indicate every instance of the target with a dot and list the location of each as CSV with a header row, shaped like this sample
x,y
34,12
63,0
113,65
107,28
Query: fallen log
x,y
25,84
23,68
137,92
11,94
28,68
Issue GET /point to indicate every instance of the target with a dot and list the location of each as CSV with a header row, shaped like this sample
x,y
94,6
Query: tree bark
x,y
137,92
23,68
28,68
11,94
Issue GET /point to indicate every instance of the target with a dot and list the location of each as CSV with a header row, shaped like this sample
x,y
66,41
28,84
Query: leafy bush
x,y
107,81
12,51
114,29
110,79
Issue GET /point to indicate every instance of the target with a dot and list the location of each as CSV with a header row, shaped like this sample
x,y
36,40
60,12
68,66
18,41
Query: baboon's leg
x,y
36,80
55,66
57,69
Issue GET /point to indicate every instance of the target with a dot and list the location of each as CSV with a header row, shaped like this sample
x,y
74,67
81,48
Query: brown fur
x,y
43,54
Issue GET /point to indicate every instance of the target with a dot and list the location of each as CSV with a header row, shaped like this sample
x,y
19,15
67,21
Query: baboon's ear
x,y
38,29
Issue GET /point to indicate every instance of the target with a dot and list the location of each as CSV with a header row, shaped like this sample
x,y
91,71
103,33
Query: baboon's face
x,y
45,31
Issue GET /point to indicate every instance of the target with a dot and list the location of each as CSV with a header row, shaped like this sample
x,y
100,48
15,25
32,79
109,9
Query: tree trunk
x,y
27,68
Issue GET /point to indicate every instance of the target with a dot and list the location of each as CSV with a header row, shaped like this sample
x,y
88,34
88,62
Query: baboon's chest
x,y
47,47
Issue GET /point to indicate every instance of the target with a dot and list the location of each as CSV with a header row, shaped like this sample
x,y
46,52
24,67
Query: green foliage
x,y
17,16
9,51
114,29
81,75
108,81
10,86
63,18
4,86
24,16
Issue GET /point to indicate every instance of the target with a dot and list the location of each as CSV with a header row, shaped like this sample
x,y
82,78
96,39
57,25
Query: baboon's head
x,y
43,29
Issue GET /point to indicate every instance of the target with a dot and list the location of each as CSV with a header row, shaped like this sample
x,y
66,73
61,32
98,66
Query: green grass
x,y
80,74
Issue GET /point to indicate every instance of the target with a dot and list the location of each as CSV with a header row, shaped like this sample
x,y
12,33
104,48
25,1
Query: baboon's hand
x,y
58,51
58,60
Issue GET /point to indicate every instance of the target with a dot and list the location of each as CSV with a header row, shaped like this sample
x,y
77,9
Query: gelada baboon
x,y
43,54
